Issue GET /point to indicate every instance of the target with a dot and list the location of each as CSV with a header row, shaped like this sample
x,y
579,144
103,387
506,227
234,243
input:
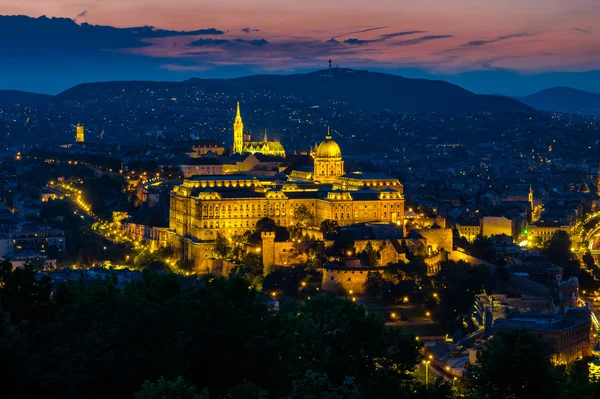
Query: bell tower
x,y
238,131
79,134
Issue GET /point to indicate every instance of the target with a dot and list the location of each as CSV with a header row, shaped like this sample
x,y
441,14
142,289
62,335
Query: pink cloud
x,y
516,34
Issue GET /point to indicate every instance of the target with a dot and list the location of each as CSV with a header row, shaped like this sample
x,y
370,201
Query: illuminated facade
x,y
79,134
203,206
240,145
329,164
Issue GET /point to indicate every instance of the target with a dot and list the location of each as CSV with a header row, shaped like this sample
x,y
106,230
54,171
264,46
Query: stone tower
x,y
238,131
268,248
79,134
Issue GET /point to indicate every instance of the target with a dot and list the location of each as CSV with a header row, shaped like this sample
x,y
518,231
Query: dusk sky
x,y
509,46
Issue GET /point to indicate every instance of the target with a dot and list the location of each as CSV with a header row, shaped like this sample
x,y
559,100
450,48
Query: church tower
x,y
238,132
79,134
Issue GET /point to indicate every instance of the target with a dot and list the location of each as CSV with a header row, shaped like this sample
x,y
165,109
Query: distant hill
x,y
376,91
564,99
17,97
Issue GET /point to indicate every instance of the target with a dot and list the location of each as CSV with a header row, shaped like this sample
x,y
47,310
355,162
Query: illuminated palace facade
x,y
205,205
242,143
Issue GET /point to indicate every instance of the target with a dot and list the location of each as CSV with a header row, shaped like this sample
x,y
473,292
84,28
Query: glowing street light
x,y
426,363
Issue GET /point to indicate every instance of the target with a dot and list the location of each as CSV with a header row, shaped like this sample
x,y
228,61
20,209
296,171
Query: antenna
x,y
330,67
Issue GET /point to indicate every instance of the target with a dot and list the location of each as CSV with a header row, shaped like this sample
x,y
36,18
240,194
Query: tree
x,y
483,248
303,217
415,269
370,255
373,284
265,224
588,260
514,365
222,247
558,251
558,248
118,340
330,228
284,279
316,254
458,283
317,386
163,388
343,244
246,390
24,296
579,383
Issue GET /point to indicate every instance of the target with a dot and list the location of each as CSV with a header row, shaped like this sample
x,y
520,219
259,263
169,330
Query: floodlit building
x,y
79,134
230,205
242,143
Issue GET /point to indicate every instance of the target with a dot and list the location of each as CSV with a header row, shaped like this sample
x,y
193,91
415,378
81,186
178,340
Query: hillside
x,y
377,91
16,97
564,99
370,90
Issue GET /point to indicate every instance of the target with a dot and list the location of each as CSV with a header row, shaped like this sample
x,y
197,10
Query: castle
x,y
241,145
203,206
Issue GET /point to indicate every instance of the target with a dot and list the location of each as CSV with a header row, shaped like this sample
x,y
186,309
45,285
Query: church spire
x,y
265,139
328,137
238,131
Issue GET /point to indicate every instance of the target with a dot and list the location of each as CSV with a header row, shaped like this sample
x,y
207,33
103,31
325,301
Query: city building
x,y
33,239
205,147
79,134
541,231
242,143
203,206
567,335
468,228
201,166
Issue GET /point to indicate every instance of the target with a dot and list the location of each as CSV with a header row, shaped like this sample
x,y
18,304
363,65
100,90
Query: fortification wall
x,y
438,239
348,280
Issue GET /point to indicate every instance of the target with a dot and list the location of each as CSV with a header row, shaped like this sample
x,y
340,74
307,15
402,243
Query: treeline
x,y
218,339
100,341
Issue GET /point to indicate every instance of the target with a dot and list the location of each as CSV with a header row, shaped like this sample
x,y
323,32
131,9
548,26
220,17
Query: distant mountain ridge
x,y
371,90
14,97
564,99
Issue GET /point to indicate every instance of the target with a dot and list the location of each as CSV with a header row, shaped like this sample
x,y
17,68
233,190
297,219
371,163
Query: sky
x,y
511,47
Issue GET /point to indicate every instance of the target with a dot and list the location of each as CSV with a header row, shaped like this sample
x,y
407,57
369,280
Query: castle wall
x,y
348,280
280,253
438,239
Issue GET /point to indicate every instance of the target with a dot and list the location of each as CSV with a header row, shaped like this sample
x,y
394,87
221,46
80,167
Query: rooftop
x,y
545,322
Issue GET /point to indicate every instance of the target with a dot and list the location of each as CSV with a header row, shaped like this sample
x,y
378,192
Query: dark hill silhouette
x,y
17,97
564,99
377,91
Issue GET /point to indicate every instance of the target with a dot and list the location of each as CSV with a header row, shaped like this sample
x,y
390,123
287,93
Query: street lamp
x,y
426,363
